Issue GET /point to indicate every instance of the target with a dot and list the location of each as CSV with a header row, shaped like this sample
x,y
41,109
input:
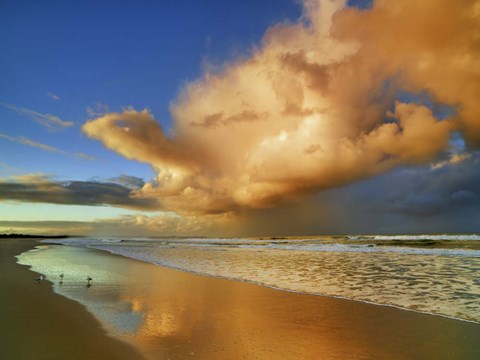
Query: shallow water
x,y
442,281
170,314
77,264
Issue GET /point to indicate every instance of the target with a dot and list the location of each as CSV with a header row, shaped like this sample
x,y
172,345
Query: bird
x,y
89,279
61,278
38,279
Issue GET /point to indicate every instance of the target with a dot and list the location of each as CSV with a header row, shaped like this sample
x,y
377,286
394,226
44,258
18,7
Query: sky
x,y
239,118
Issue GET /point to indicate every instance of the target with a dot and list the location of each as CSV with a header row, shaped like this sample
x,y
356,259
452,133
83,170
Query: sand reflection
x,y
168,314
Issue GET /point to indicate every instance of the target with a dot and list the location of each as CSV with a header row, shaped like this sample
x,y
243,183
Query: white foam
x,y
428,237
443,285
286,244
368,249
430,280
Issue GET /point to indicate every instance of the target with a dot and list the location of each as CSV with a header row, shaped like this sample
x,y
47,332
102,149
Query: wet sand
x,y
211,318
38,324
182,316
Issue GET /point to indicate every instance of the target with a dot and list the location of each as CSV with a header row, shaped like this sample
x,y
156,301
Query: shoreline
x,y
38,323
217,318
281,289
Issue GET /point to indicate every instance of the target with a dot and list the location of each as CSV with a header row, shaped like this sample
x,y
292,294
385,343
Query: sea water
x,y
437,274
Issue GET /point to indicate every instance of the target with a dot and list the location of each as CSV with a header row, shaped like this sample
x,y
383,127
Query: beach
x,y
169,314
38,324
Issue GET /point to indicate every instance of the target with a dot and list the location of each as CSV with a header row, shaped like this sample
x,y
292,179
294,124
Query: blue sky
x,y
62,58
65,63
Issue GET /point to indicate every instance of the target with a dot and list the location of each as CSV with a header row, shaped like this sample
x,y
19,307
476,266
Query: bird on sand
x,y
38,279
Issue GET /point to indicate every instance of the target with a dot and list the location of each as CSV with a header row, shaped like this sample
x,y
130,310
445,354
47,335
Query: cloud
x,y
99,110
85,156
50,121
45,227
427,191
131,182
218,119
314,107
445,199
137,136
53,96
25,141
166,224
435,49
453,159
40,188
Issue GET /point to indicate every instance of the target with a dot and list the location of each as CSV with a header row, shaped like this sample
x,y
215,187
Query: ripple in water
x,y
437,281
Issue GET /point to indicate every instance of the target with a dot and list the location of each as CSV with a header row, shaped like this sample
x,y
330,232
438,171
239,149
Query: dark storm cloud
x,y
131,182
430,191
44,190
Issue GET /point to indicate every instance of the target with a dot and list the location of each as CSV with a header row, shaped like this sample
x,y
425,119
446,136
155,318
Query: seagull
x,y
38,279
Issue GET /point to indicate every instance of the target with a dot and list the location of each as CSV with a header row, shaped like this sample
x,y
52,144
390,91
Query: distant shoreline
x,y
24,236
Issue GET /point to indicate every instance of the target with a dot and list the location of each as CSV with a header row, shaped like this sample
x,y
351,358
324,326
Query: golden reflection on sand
x,y
169,314
185,314
219,319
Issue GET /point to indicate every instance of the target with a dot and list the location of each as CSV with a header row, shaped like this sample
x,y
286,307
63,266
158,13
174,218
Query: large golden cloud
x,y
307,109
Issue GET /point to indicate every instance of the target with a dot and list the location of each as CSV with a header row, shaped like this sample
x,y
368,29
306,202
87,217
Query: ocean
x,y
434,274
